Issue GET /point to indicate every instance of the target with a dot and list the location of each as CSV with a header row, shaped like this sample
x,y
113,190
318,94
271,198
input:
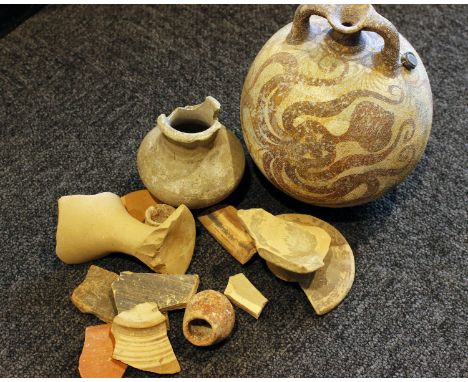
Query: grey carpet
x,y
79,88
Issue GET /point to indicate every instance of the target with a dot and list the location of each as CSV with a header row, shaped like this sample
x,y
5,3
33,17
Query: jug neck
x,y
192,126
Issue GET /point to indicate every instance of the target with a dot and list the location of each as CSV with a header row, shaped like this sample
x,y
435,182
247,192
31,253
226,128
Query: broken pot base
x,y
327,287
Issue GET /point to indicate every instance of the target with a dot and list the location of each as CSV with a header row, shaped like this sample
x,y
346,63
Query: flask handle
x,y
349,19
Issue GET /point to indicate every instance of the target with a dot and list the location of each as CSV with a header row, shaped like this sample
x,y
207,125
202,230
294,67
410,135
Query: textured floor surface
x,y
79,88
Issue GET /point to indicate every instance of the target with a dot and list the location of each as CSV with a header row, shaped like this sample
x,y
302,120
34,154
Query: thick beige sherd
x,y
293,247
243,294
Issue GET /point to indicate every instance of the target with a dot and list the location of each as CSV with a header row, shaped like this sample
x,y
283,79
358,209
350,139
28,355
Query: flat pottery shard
x,y
225,226
94,294
169,292
96,358
141,340
331,283
288,245
243,293
137,203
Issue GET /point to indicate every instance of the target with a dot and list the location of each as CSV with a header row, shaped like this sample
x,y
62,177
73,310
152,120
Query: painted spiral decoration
x,y
327,128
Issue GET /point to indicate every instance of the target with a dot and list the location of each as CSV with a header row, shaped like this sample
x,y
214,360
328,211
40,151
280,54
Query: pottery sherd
x,y
225,226
94,294
169,292
141,340
96,358
290,246
242,292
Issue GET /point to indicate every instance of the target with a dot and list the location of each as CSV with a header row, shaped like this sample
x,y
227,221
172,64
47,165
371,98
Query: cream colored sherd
x,y
329,285
190,157
243,294
141,340
293,247
92,226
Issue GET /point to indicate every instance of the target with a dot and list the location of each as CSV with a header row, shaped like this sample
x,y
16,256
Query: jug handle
x,y
350,19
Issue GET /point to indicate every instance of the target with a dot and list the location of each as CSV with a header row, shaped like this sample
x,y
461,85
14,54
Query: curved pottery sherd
x,y
293,247
289,276
190,157
141,340
92,226
328,286
336,109
96,358
209,318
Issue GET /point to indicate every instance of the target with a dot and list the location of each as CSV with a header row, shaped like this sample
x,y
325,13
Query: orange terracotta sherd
x,y
137,202
96,358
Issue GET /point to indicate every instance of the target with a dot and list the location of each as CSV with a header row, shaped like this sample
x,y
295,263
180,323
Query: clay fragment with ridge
x,y
242,293
141,340
94,294
169,292
96,358
291,246
225,226
137,202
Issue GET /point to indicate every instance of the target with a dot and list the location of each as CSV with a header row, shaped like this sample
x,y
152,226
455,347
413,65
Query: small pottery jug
x,y
336,108
190,157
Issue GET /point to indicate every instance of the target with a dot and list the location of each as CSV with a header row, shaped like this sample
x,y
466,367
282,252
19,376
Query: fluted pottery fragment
x,y
190,157
92,226
141,340
337,107
296,248
209,318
